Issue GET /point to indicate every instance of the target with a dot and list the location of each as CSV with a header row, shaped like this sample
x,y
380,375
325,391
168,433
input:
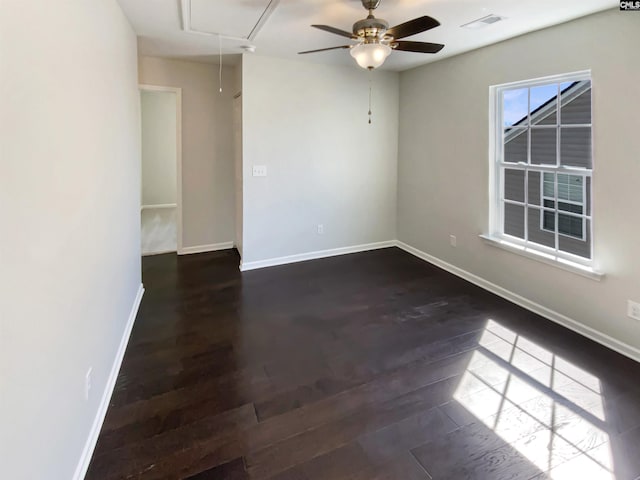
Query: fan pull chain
x,y
220,55
370,88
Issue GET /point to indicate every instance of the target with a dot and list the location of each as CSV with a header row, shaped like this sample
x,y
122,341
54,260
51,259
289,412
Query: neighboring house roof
x,y
548,108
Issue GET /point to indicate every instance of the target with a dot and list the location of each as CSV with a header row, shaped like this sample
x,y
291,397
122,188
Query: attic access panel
x,y
230,18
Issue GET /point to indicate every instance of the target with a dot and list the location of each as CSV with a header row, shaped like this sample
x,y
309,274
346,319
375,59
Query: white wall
x,y
444,165
207,145
69,203
159,159
159,230
326,165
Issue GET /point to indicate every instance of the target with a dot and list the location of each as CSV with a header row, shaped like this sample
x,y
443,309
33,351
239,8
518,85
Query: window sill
x,y
566,265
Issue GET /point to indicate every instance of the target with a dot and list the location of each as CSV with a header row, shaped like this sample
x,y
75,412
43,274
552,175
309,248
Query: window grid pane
x,y
550,204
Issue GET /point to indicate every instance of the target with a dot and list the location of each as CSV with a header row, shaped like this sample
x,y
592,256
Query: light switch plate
x,y
259,170
633,310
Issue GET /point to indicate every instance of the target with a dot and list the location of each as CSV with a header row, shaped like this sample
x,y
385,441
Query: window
x,y
544,166
571,199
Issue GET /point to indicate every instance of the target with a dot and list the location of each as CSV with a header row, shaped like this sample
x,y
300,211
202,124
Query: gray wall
x,y
70,209
326,165
207,145
443,182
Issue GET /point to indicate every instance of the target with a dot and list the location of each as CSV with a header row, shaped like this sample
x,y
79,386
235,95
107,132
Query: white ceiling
x,y
158,24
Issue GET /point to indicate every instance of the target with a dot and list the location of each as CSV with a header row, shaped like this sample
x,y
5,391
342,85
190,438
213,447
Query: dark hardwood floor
x,y
368,366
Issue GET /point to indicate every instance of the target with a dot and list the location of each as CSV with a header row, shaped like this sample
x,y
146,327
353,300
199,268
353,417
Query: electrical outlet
x,y
633,310
320,229
87,383
453,240
259,170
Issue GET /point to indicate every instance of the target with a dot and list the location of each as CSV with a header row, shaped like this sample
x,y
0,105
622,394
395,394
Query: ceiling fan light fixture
x,y
370,55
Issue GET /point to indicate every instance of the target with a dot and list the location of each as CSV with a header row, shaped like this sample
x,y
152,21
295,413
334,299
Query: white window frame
x,y
496,236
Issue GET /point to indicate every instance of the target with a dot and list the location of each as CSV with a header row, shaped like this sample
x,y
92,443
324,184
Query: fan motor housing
x,y
370,27
370,4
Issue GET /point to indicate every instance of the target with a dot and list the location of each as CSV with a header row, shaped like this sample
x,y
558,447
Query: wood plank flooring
x,y
368,366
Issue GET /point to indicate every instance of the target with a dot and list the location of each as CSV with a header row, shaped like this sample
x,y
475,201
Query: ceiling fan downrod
x,y
370,4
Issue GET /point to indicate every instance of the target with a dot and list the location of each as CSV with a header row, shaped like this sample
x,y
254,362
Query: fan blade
x,y
417,25
420,47
335,30
324,49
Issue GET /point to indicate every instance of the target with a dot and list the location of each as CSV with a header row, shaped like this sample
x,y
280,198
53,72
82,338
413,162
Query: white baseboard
x,y
92,439
214,247
302,257
159,206
571,324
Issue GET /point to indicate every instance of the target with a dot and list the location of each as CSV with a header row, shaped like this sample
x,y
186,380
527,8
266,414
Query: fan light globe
x,y
370,55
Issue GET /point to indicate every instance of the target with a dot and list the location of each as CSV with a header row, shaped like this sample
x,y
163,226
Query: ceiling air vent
x,y
483,22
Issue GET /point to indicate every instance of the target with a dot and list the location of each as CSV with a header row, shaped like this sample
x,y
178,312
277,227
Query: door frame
x,y
178,91
237,176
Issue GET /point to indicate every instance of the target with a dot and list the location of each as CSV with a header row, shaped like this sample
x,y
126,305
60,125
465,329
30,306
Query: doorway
x,y
161,185
237,132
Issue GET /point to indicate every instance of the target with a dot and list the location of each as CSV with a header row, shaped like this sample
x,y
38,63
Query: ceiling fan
x,y
375,40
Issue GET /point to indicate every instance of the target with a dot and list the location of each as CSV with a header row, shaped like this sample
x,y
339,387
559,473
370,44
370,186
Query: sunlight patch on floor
x,y
546,408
